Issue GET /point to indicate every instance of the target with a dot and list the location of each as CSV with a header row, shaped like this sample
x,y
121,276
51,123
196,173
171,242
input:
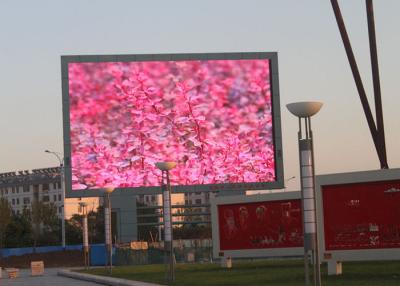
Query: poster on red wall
x,y
361,215
260,225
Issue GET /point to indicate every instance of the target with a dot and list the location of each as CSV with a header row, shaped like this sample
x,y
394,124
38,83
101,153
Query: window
x,y
54,198
59,197
198,201
46,198
58,185
18,212
13,202
17,201
45,187
13,190
36,188
27,201
17,190
26,188
59,209
6,191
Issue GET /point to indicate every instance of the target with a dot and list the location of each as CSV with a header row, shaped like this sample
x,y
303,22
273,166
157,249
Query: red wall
x,y
271,224
361,216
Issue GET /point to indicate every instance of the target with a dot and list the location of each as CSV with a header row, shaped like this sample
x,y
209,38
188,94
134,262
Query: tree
x,y
5,219
45,223
73,229
19,230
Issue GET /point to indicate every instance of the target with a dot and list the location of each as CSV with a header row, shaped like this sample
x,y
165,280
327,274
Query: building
x,y
23,187
198,202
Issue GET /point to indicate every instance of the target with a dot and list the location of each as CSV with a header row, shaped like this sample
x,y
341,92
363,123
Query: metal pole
x,y
107,229
171,250
376,82
317,265
63,206
168,236
357,78
85,236
306,260
62,179
308,202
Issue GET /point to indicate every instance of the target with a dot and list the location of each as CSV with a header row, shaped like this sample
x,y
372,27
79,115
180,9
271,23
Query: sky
x,y
312,66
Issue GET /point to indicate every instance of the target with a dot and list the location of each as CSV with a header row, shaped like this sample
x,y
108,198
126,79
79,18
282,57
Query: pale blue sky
x,y
313,65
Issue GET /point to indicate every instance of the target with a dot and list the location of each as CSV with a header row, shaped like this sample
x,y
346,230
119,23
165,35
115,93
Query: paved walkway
x,y
50,278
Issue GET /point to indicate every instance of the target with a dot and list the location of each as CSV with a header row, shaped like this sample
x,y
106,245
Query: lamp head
x,y
304,108
166,166
109,190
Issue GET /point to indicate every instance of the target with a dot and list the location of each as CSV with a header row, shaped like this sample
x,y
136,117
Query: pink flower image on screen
x,y
213,117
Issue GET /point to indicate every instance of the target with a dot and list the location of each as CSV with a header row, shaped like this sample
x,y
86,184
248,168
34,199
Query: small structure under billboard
x,y
358,216
264,225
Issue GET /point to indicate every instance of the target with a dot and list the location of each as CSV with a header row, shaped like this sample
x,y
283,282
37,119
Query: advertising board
x,y
359,215
265,225
217,115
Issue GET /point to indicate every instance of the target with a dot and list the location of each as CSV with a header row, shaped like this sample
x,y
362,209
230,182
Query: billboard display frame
x,y
251,253
373,176
276,115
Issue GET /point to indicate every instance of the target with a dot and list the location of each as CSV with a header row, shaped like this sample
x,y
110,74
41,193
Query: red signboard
x,y
362,215
260,225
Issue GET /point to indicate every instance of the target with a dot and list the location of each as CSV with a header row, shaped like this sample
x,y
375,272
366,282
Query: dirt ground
x,y
51,259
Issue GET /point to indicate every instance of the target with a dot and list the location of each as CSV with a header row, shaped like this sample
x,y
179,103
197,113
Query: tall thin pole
x,y
306,256
62,178
63,206
171,250
307,173
107,230
376,81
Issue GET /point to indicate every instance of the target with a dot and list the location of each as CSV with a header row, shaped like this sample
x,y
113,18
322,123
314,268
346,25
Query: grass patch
x,y
254,273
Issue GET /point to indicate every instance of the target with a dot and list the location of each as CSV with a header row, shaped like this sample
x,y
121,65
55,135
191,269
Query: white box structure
x,y
358,216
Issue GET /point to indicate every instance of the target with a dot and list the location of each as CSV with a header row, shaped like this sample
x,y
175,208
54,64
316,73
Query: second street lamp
x,y
304,111
61,160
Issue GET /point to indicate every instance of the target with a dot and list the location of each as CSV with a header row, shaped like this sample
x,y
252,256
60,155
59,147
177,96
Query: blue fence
x,y
98,255
6,252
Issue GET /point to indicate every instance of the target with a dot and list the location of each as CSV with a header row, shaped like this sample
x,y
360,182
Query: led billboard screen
x,y
215,117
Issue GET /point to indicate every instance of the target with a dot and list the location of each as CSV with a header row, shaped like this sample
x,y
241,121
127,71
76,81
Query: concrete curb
x,y
104,280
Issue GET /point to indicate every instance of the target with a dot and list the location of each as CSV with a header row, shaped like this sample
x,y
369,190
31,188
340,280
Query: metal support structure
x,y
376,80
307,172
377,132
85,235
62,178
168,231
108,230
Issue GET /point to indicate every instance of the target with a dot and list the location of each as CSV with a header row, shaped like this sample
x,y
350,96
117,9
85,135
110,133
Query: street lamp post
x,y
165,167
85,234
107,226
61,160
304,111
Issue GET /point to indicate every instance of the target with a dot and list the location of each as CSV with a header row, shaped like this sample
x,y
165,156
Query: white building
x,y
23,187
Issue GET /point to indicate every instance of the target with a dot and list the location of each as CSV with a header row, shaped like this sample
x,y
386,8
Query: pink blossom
x,y
213,117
